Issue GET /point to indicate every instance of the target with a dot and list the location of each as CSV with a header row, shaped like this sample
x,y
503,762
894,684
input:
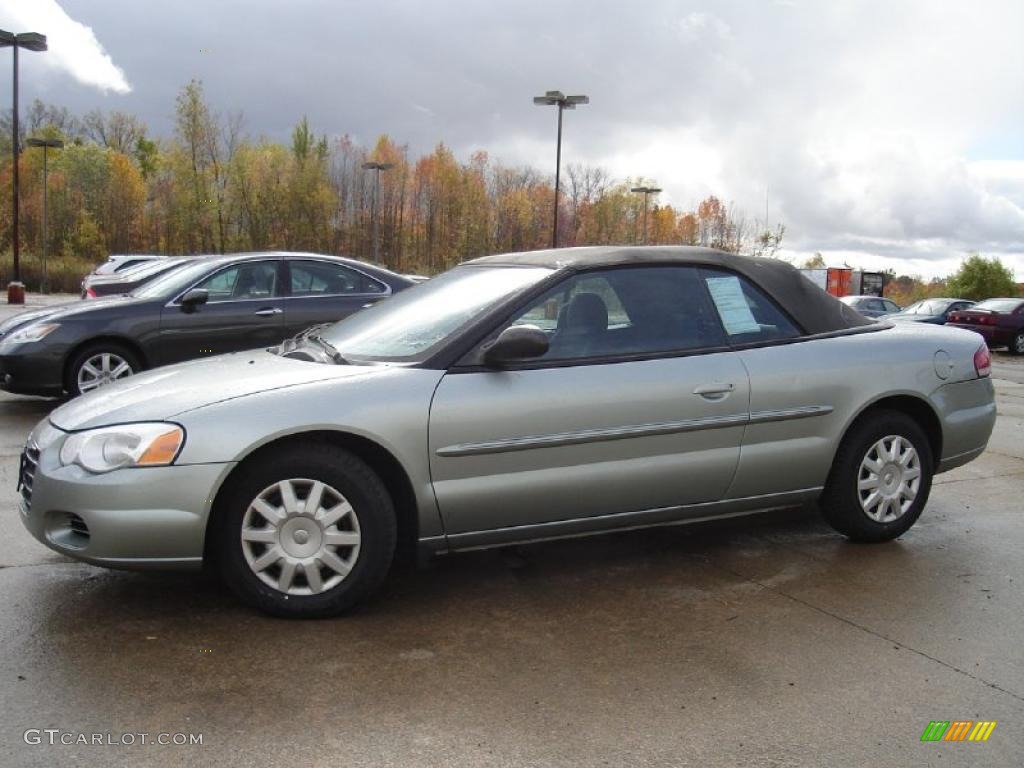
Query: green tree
x,y
980,278
817,261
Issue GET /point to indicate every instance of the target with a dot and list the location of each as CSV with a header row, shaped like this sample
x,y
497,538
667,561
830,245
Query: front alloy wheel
x,y
101,369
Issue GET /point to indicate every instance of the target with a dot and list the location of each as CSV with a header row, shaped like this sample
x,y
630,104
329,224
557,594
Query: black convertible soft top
x,y
814,309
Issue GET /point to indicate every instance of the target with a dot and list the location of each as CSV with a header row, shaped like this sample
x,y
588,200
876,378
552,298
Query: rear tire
x,y
880,479
290,561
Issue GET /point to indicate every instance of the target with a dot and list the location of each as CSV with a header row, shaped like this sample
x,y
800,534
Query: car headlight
x,y
32,333
126,445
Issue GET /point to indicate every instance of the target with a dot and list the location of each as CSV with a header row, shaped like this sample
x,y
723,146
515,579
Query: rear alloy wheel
x,y
1017,346
100,365
307,532
880,479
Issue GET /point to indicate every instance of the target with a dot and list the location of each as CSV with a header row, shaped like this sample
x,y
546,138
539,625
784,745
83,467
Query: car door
x,y
244,311
322,291
795,388
637,405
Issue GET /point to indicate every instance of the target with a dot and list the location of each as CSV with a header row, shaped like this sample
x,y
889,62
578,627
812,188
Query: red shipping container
x,y
839,281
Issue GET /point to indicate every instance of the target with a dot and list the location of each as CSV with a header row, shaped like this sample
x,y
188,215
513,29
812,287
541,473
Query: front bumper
x,y
27,372
138,518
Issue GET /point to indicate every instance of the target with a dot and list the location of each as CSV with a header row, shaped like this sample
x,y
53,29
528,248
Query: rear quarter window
x,y
747,314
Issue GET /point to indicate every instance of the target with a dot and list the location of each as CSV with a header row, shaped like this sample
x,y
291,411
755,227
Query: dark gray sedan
x,y
931,311
212,305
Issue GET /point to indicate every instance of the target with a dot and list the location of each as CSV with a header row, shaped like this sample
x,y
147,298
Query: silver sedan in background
x,y
514,398
872,306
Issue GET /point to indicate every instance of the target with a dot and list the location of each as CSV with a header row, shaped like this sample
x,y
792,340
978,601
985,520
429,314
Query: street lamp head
x,y
551,98
646,190
51,143
375,166
32,41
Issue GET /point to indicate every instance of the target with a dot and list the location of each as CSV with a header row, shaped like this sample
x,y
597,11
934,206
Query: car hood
x,y
58,312
166,392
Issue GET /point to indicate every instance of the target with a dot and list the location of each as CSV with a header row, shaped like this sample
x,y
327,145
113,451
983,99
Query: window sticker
x,y
732,306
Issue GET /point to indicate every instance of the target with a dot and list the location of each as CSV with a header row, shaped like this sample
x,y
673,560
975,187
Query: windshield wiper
x,y
328,347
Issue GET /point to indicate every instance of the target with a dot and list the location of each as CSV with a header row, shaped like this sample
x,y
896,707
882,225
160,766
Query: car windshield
x,y
998,305
410,326
927,307
174,281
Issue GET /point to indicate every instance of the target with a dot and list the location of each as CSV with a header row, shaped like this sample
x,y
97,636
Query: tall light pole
x,y
563,102
377,167
45,144
646,192
32,41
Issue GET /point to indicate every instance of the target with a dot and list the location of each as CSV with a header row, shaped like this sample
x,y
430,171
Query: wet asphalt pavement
x,y
766,641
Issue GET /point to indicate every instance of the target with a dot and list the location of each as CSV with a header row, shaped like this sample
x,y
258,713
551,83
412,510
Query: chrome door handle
x,y
268,312
714,391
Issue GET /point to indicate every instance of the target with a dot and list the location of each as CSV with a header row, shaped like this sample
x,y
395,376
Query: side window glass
x,y
627,311
242,281
317,278
746,313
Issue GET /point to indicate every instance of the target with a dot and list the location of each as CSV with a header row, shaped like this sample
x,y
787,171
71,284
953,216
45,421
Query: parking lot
x,y
769,640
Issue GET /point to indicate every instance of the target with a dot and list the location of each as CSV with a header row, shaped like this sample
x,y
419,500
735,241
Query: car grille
x,y
29,462
78,526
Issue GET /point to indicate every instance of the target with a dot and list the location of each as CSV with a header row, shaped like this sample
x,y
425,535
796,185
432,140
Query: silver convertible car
x,y
514,398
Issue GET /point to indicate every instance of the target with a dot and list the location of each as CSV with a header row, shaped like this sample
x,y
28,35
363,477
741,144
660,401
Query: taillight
x,y
983,361
90,293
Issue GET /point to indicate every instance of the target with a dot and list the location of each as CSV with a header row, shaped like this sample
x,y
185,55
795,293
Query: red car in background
x,y
999,321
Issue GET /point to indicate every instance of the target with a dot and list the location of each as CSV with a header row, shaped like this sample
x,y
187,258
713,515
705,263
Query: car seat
x,y
582,327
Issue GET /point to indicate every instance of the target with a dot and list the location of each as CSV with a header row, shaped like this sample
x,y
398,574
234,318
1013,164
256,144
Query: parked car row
x,y
514,398
999,321
199,307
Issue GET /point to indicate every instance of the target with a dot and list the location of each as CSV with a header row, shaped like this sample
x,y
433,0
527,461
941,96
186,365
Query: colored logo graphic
x,y
958,730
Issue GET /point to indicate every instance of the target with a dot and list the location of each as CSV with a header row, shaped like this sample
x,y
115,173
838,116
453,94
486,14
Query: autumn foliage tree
x,y
212,188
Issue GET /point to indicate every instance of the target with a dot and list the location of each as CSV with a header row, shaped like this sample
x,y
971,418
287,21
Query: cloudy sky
x,y
885,133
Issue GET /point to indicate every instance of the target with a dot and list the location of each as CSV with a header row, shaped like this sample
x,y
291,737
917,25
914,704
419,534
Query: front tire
x,y
100,364
306,532
1017,345
880,479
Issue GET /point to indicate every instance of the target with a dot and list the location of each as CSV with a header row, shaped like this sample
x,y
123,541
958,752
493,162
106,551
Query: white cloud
x,y
73,48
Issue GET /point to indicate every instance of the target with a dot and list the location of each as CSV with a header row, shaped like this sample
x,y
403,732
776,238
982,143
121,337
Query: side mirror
x,y
194,298
520,342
